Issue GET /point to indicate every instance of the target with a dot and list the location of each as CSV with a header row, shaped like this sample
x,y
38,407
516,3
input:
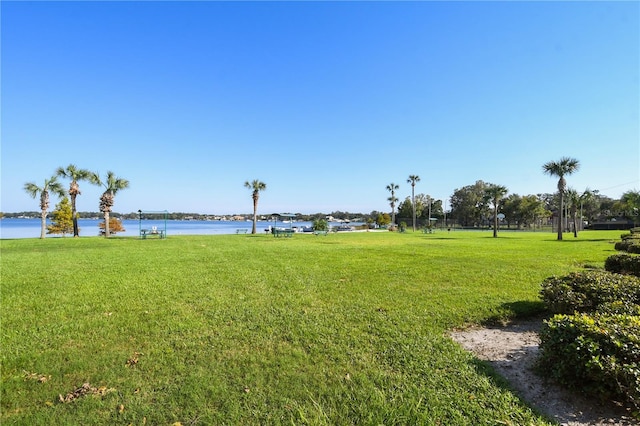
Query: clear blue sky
x,y
327,103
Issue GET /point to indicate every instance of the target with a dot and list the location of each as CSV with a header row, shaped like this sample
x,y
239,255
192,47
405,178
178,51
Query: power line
x,y
622,184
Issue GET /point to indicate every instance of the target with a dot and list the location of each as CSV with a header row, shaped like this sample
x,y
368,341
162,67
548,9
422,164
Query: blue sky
x,y
325,102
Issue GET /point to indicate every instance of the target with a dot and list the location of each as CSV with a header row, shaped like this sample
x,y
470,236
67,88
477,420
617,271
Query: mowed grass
x,y
254,330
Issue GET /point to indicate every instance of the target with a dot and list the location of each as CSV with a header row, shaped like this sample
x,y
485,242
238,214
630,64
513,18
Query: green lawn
x,y
241,329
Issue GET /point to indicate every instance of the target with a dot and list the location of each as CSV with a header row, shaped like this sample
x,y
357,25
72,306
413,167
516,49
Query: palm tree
x,y
565,166
255,186
412,180
392,201
573,201
75,174
112,185
50,185
495,193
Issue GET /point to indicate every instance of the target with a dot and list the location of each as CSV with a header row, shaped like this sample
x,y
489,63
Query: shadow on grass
x,y
521,310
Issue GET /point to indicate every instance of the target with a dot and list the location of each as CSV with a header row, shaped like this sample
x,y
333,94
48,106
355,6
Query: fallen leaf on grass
x,y
85,389
37,377
134,359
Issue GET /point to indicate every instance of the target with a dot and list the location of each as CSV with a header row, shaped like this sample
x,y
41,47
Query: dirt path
x,y
512,350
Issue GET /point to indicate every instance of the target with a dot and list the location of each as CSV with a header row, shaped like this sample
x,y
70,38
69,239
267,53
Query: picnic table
x,y
144,233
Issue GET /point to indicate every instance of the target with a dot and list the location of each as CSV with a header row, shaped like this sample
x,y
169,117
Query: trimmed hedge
x,y
588,291
627,245
623,264
599,354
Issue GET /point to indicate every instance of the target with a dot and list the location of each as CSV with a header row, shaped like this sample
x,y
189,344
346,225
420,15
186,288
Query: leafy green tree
x,y
413,179
392,187
62,220
495,193
383,219
50,185
112,185
524,211
75,174
405,208
630,204
469,205
511,207
255,186
565,166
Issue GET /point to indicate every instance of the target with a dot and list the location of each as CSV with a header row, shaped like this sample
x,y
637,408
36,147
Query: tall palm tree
x,y
495,193
50,185
392,187
412,180
112,185
75,174
565,166
255,186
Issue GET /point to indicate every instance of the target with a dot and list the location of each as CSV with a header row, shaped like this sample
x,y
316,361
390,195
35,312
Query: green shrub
x,y
629,245
320,225
634,236
586,291
599,354
623,264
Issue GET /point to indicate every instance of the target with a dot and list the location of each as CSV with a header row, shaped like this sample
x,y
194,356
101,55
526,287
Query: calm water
x,y
30,228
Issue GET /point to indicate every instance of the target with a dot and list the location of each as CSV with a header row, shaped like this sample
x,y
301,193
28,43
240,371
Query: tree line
x,y
484,204
476,205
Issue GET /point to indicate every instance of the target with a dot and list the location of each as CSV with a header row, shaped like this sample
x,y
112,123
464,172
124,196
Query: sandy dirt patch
x,y
512,351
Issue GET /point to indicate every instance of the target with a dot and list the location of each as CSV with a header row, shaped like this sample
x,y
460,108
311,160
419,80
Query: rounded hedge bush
x,y
588,291
599,354
623,264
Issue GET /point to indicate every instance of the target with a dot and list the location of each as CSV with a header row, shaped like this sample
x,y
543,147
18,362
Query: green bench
x,y
288,233
241,231
323,232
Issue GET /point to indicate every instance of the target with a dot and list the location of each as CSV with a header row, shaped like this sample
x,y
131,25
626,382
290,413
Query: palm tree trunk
x,y
255,214
413,204
495,222
43,224
106,224
560,223
76,232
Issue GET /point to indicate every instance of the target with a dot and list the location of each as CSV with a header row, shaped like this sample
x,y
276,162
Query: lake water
x,y
30,228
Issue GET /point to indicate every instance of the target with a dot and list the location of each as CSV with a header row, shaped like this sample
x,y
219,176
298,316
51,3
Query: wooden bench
x,y
144,233
288,233
241,231
321,232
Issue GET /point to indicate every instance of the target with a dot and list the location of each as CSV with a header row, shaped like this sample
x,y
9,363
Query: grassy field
x,y
255,330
